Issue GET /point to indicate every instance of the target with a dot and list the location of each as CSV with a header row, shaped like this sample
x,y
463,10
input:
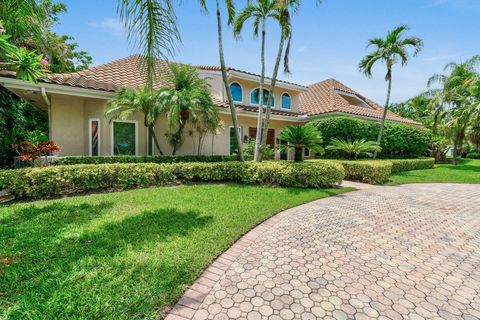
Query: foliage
x,y
354,149
112,247
367,171
300,137
416,108
145,101
30,152
268,153
69,179
392,49
187,100
141,159
399,165
152,30
399,141
473,155
19,121
467,171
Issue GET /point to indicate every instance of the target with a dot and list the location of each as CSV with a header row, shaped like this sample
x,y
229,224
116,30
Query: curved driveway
x,y
406,252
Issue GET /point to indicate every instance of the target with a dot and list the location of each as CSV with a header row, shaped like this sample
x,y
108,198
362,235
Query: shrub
x,y
268,153
70,179
473,155
373,172
399,140
142,159
399,165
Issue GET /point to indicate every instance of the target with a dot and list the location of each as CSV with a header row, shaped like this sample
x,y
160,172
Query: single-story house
x,y
76,105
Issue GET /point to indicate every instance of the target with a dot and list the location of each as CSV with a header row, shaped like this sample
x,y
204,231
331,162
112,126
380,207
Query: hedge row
x,y
399,165
399,140
142,159
60,180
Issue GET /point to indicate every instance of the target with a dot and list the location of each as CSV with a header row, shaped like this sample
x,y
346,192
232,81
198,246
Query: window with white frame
x,y
255,97
286,101
233,145
94,137
124,138
237,92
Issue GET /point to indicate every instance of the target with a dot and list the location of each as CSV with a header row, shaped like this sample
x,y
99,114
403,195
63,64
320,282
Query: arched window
x,y
237,92
254,97
286,101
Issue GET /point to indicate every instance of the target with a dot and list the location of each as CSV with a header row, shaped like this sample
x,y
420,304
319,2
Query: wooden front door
x,y
252,133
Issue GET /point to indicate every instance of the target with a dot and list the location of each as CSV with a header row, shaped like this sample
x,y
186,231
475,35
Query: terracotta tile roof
x,y
218,68
126,72
324,97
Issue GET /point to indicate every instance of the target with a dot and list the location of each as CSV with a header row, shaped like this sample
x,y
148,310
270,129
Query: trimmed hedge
x,y
71,179
141,159
372,172
399,165
399,140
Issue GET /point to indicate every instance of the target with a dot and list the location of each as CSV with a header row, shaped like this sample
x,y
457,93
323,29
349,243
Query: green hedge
x,y
142,159
399,165
369,171
399,140
71,179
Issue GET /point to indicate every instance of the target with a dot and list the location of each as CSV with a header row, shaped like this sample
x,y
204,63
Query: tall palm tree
x,y
146,101
187,100
230,6
259,11
392,49
151,29
300,137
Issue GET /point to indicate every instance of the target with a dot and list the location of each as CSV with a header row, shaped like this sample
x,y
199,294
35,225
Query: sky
x,y
329,39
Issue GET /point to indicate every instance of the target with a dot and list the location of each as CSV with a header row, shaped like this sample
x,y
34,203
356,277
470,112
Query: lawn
x,y
124,255
468,171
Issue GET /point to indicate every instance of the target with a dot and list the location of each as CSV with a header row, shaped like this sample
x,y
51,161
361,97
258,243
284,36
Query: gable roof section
x,y
323,98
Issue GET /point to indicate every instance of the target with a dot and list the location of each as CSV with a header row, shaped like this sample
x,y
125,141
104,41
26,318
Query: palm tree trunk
x,y
233,112
298,154
157,145
258,141
384,116
270,96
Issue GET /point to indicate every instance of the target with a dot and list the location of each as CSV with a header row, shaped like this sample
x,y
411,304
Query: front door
x,y
252,133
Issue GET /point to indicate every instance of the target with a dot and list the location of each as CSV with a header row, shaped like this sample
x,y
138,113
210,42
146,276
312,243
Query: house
x,y
76,104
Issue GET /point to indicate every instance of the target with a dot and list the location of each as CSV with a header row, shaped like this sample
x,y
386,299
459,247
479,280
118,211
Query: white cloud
x,y
113,25
441,57
301,49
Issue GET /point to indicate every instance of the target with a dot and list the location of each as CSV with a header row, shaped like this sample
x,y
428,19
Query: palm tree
x,y
458,99
354,149
259,11
301,137
391,50
144,100
188,100
151,29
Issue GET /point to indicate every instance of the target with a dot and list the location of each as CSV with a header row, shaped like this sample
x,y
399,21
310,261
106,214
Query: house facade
x,y
76,104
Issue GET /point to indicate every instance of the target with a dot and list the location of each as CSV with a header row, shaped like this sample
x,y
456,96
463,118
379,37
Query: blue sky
x,y
329,39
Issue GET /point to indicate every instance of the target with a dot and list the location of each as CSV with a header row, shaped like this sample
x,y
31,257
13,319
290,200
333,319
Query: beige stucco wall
x,y
70,122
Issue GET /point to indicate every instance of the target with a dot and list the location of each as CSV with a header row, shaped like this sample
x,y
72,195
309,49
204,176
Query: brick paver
x,y
407,252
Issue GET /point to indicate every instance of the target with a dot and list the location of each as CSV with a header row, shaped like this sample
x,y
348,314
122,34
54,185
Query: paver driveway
x,y
406,252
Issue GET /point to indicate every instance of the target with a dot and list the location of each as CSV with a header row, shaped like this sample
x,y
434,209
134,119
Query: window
x,y
94,137
233,142
237,92
254,97
286,101
306,152
124,138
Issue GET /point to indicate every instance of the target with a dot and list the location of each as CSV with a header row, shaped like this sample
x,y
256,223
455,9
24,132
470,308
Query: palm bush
x,y
300,137
354,149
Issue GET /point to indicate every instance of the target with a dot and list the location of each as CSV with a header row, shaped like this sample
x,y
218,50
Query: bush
x,y
373,172
473,155
399,140
268,153
142,159
70,179
399,165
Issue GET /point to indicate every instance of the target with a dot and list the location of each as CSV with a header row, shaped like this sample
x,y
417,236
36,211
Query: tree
x,y
458,100
392,49
354,149
416,108
301,137
259,11
146,101
187,100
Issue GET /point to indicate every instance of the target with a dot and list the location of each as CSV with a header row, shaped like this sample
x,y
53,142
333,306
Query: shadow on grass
x,y
37,262
462,168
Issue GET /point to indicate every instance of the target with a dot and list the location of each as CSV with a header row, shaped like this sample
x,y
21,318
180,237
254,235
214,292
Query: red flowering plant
x,y
31,152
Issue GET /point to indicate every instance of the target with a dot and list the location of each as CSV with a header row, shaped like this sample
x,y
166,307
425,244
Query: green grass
x,y
124,255
468,171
